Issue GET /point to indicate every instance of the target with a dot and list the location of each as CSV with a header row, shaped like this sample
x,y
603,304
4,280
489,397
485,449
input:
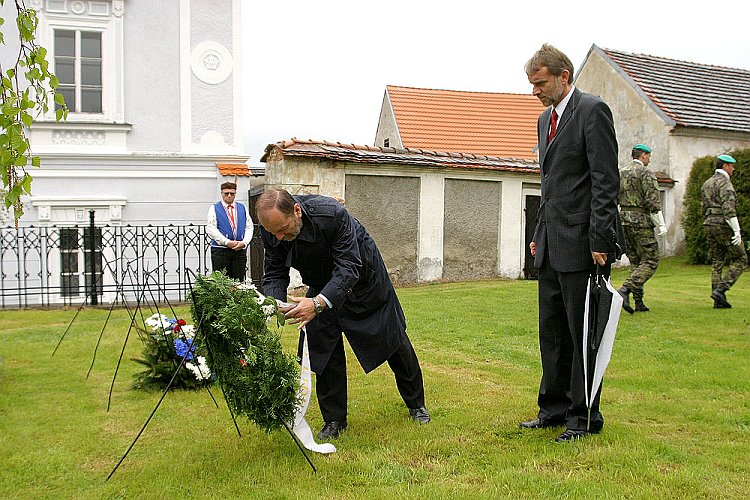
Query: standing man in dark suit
x,y
576,230
349,291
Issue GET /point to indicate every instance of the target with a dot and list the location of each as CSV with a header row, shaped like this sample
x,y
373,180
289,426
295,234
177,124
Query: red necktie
x,y
230,212
553,126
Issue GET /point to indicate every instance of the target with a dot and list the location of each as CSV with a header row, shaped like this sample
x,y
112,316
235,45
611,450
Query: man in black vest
x,y
349,291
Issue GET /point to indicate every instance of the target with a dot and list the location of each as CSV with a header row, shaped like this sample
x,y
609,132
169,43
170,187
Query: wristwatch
x,y
318,305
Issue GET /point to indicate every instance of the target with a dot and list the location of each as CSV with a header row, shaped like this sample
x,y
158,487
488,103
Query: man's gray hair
x,y
551,58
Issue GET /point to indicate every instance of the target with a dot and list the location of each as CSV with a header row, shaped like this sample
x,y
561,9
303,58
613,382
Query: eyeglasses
x,y
227,193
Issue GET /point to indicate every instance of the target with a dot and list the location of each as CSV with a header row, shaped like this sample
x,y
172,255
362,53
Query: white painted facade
x,y
171,91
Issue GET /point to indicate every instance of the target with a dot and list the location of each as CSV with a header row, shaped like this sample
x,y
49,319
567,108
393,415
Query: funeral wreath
x,y
238,332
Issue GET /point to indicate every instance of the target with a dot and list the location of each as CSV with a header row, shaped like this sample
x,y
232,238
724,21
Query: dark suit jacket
x,y
337,257
580,183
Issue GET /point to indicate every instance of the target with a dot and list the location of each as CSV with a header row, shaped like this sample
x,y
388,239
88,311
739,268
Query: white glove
x,y
659,224
735,225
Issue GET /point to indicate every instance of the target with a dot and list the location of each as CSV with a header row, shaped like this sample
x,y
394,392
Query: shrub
x,y
692,217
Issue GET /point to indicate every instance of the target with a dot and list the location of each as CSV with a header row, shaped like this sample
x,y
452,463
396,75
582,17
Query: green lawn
x,y
676,402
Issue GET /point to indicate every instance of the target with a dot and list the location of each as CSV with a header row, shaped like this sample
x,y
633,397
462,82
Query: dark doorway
x,y
531,209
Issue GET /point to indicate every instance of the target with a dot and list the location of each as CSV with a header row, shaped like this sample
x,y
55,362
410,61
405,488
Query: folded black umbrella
x,y
601,316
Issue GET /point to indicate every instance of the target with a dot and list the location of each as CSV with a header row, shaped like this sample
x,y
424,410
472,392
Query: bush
x,y
692,217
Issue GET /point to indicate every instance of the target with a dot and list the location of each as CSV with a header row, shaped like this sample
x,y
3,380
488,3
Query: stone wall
x,y
389,208
470,229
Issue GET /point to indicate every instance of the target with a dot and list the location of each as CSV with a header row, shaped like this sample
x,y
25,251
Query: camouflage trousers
x,y
643,254
722,252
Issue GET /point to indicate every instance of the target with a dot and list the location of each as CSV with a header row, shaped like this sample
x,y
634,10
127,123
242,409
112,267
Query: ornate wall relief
x,y
211,62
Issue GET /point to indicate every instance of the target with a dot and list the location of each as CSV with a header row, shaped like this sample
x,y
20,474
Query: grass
x,y
676,402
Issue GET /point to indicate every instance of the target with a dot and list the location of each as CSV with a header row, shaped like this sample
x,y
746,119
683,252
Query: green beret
x,y
726,159
642,147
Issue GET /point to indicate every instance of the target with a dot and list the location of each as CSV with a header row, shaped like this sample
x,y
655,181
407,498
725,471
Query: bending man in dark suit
x,y
349,291
576,229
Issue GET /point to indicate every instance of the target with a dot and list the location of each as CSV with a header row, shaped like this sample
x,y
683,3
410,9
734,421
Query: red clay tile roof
x,y
233,169
689,94
381,155
663,179
484,123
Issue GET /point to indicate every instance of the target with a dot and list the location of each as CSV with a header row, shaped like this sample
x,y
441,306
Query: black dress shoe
x,y
332,430
571,435
538,424
420,415
719,305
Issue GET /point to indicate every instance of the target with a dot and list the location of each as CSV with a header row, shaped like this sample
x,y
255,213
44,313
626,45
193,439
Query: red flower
x,y
181,322
176,328
243,362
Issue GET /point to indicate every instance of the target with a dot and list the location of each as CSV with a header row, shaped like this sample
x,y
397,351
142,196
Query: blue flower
x,y
181,347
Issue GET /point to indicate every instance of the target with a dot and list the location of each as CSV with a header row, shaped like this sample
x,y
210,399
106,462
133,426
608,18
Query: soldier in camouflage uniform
x,y
722,230
640,211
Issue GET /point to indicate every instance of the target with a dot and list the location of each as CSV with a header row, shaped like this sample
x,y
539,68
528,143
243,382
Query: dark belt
x,y
634,209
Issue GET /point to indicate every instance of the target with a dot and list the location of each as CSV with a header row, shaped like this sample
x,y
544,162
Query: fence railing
x,y
46,266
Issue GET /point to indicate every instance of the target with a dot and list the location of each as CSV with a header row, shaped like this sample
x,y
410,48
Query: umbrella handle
x,y
603,272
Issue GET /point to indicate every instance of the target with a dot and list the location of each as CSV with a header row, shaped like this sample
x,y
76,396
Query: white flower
x,y
188,331
247,286
201,371
268,309
260,300
157,321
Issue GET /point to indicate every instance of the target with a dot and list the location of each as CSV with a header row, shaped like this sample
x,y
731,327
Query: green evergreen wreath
x,y
259,380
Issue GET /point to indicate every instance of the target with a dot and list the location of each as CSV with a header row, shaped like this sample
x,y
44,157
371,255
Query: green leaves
x,y
18,105
259,380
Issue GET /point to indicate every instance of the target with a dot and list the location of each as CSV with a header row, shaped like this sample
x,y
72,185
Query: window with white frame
x,y
78,66
85,43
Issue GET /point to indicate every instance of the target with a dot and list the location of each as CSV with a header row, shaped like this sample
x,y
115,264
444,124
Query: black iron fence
x,y
46,266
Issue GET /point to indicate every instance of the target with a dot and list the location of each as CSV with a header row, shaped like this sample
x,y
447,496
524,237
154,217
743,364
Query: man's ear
x,y
565,75
297,210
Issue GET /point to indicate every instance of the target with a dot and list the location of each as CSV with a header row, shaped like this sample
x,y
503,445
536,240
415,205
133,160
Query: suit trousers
x,y
562,394
234,262
331,387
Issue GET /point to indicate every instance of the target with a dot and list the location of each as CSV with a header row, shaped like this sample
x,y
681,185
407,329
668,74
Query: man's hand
x,y
736,239
301,313
235,245
532,247
599,258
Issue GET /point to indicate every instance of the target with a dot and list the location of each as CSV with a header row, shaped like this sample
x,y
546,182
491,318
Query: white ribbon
x,y
301,428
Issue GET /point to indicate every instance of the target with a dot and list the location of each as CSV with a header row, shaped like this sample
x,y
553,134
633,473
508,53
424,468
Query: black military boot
x,y
638,299
720,299
625,292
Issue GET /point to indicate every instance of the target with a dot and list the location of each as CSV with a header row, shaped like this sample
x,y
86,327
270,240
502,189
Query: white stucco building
x,y
154,92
